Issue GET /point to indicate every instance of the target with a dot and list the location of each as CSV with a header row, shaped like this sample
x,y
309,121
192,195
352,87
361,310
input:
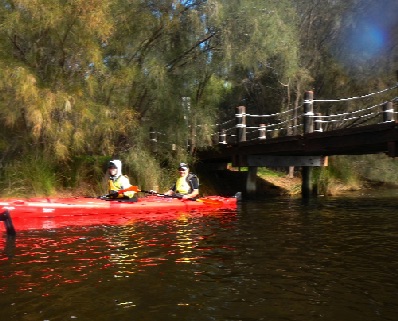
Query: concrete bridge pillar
x,y
251,186
306,182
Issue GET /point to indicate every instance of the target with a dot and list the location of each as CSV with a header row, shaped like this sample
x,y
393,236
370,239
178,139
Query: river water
x,y
329,259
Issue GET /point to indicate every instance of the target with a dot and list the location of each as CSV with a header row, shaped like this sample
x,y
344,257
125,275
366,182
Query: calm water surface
x,y
330,259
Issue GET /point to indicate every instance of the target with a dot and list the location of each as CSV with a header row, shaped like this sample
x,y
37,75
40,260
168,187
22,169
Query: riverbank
x,y
292,186
228,182
277,183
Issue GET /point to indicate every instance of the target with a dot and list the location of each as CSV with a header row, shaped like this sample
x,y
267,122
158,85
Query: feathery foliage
x,y
83,81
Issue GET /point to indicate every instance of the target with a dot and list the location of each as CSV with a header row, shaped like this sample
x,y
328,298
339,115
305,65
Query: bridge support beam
x,y
283,161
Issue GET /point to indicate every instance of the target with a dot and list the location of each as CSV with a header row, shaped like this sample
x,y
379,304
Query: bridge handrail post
x,y
308,122
388,112
307,187
222,137
262,132
240,118
318,123
153,138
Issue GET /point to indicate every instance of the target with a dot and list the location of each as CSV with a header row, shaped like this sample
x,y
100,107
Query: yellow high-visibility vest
x,y
182,186
122,182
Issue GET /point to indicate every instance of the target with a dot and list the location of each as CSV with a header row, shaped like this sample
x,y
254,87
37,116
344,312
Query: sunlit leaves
x,y
87,71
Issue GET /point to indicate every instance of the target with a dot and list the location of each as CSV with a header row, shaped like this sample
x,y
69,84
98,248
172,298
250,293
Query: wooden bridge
x,y
308,149
369,130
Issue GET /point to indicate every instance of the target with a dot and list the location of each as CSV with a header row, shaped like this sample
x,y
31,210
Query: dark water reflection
x,y
329,259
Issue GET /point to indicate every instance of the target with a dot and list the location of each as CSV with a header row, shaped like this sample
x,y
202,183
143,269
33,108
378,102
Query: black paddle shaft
x,y
6,218
164,195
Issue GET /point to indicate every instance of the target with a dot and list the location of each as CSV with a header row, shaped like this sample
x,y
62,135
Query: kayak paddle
x,y
204,200
121,191
131,188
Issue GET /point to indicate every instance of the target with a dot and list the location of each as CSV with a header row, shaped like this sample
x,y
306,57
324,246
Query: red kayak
x,y
39,213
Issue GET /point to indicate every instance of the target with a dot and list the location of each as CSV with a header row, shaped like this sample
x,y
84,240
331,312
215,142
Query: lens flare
x,y
368,34
367,40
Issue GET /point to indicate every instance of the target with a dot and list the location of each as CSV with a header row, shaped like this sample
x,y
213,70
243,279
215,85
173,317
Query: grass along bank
x,y
344,174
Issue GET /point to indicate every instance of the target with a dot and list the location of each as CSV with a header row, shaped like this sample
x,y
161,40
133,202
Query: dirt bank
x,y
228,182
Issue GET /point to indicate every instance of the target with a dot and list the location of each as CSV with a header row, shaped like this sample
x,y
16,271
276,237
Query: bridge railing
x,y
304,120
313,115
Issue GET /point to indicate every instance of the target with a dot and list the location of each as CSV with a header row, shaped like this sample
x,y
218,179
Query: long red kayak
x,y
37,213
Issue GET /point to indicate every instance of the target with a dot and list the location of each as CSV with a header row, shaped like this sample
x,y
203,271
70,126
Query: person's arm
x,y
194,194
171,191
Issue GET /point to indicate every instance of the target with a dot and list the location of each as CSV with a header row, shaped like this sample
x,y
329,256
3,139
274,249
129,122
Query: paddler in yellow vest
x,y
118,181
187,184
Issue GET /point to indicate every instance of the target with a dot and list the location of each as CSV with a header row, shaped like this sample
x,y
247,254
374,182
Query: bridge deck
x,y
370,139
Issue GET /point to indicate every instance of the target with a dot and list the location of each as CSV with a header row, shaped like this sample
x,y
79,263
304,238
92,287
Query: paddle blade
x,y
209,201
131,188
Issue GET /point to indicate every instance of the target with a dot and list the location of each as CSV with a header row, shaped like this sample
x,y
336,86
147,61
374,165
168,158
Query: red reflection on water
x,y
48,221
48,258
